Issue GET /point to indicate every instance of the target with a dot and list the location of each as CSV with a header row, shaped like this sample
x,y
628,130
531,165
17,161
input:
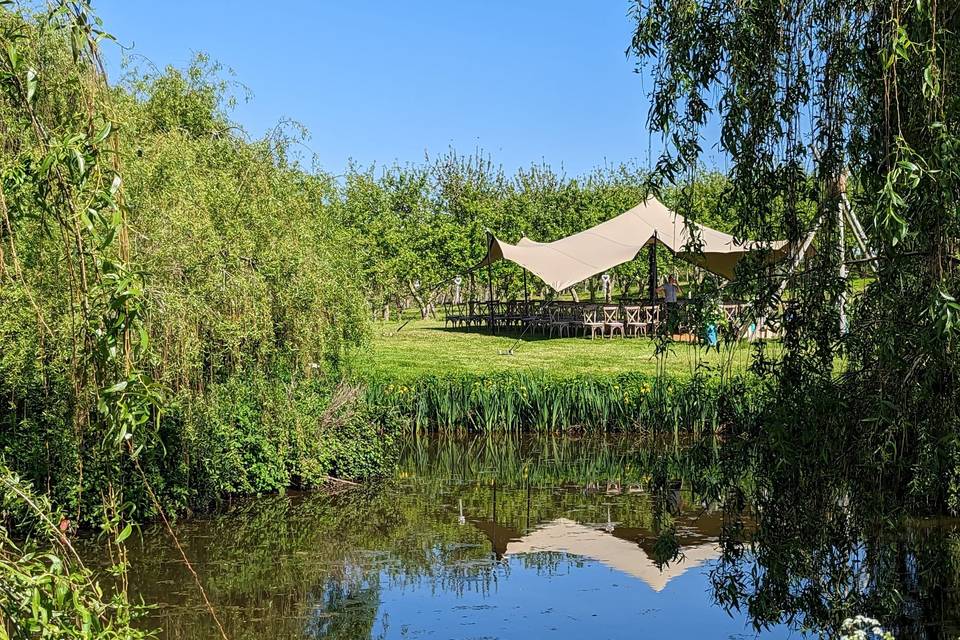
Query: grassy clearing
x,y
445,379
424,348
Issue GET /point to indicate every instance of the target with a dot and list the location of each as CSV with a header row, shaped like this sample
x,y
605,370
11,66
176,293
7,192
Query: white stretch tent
x,y
565,262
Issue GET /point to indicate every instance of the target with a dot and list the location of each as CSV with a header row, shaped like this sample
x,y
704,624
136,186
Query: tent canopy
x,y
565,262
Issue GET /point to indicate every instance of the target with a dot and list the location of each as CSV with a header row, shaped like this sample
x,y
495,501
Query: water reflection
x,y
517,538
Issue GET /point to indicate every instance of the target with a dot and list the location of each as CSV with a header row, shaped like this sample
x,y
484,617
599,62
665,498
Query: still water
x,y
472,538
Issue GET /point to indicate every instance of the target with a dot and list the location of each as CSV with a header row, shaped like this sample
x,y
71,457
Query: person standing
x,y
670,290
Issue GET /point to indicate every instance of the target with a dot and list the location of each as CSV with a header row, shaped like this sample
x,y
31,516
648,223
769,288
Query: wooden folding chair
x,y
589,320
611,320
634,320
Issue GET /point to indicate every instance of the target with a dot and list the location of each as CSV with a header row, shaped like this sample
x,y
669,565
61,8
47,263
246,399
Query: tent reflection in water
x,y
628,549
566,536
565,262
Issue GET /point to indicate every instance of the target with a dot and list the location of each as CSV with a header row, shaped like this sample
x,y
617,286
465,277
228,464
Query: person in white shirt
x,y
670,290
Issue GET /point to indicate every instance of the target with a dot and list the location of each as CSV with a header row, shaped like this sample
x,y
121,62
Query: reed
x,y
522,401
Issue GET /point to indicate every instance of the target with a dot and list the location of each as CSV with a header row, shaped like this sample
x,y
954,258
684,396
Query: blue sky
x,y
388,82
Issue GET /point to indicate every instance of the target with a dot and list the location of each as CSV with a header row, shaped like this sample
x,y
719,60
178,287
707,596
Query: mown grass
x,y
424,348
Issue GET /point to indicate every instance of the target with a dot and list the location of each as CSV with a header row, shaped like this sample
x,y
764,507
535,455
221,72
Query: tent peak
x,y
565,262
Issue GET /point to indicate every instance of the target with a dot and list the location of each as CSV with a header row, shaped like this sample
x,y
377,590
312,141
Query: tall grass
x,y
520,401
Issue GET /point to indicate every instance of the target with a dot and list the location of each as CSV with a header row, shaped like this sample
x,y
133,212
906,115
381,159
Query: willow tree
x,y
813,101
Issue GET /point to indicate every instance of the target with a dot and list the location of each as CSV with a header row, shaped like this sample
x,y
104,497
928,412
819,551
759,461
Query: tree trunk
x,y
432,305
424,306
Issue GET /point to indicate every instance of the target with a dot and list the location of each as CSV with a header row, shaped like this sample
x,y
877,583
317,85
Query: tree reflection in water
x,y
786,542
826,541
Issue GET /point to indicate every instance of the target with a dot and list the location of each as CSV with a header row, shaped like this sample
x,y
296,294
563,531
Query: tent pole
x,y
490,281
473,295
653,268
791,268
526,294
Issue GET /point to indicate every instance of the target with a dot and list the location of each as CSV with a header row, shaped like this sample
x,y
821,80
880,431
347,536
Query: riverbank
x,y
520,401
246,435
440,379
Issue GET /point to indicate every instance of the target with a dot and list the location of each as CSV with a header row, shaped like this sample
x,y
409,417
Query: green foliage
x,y
46,590
248,270
525,401
254,436
813,99
419,226
188,102
170,291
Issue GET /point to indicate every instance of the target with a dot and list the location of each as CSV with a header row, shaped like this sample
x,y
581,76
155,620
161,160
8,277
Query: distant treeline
x,y
417,227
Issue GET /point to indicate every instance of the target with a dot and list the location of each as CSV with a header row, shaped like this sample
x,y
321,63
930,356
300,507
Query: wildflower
x,y
863,628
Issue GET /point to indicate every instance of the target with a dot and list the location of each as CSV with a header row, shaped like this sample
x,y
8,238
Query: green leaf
x,y
13,56
123,535
81,163
76,42
31,84
47,163
103,133
120,386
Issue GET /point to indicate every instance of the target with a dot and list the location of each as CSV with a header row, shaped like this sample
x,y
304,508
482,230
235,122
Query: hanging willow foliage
x,y
64,179
813,101
152,257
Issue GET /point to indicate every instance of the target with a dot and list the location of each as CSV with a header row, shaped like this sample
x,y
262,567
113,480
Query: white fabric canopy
x,y
565,262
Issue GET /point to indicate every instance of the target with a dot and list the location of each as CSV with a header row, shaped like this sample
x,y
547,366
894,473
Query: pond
x,y
507,537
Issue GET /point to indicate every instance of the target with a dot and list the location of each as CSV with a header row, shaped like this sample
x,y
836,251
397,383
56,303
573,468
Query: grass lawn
x,y
424,347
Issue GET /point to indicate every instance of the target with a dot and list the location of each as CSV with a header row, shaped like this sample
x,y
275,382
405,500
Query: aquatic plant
x,y
531,401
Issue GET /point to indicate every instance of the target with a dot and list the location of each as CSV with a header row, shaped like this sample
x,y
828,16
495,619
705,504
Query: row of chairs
x,y
597,319
557,318
478,314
